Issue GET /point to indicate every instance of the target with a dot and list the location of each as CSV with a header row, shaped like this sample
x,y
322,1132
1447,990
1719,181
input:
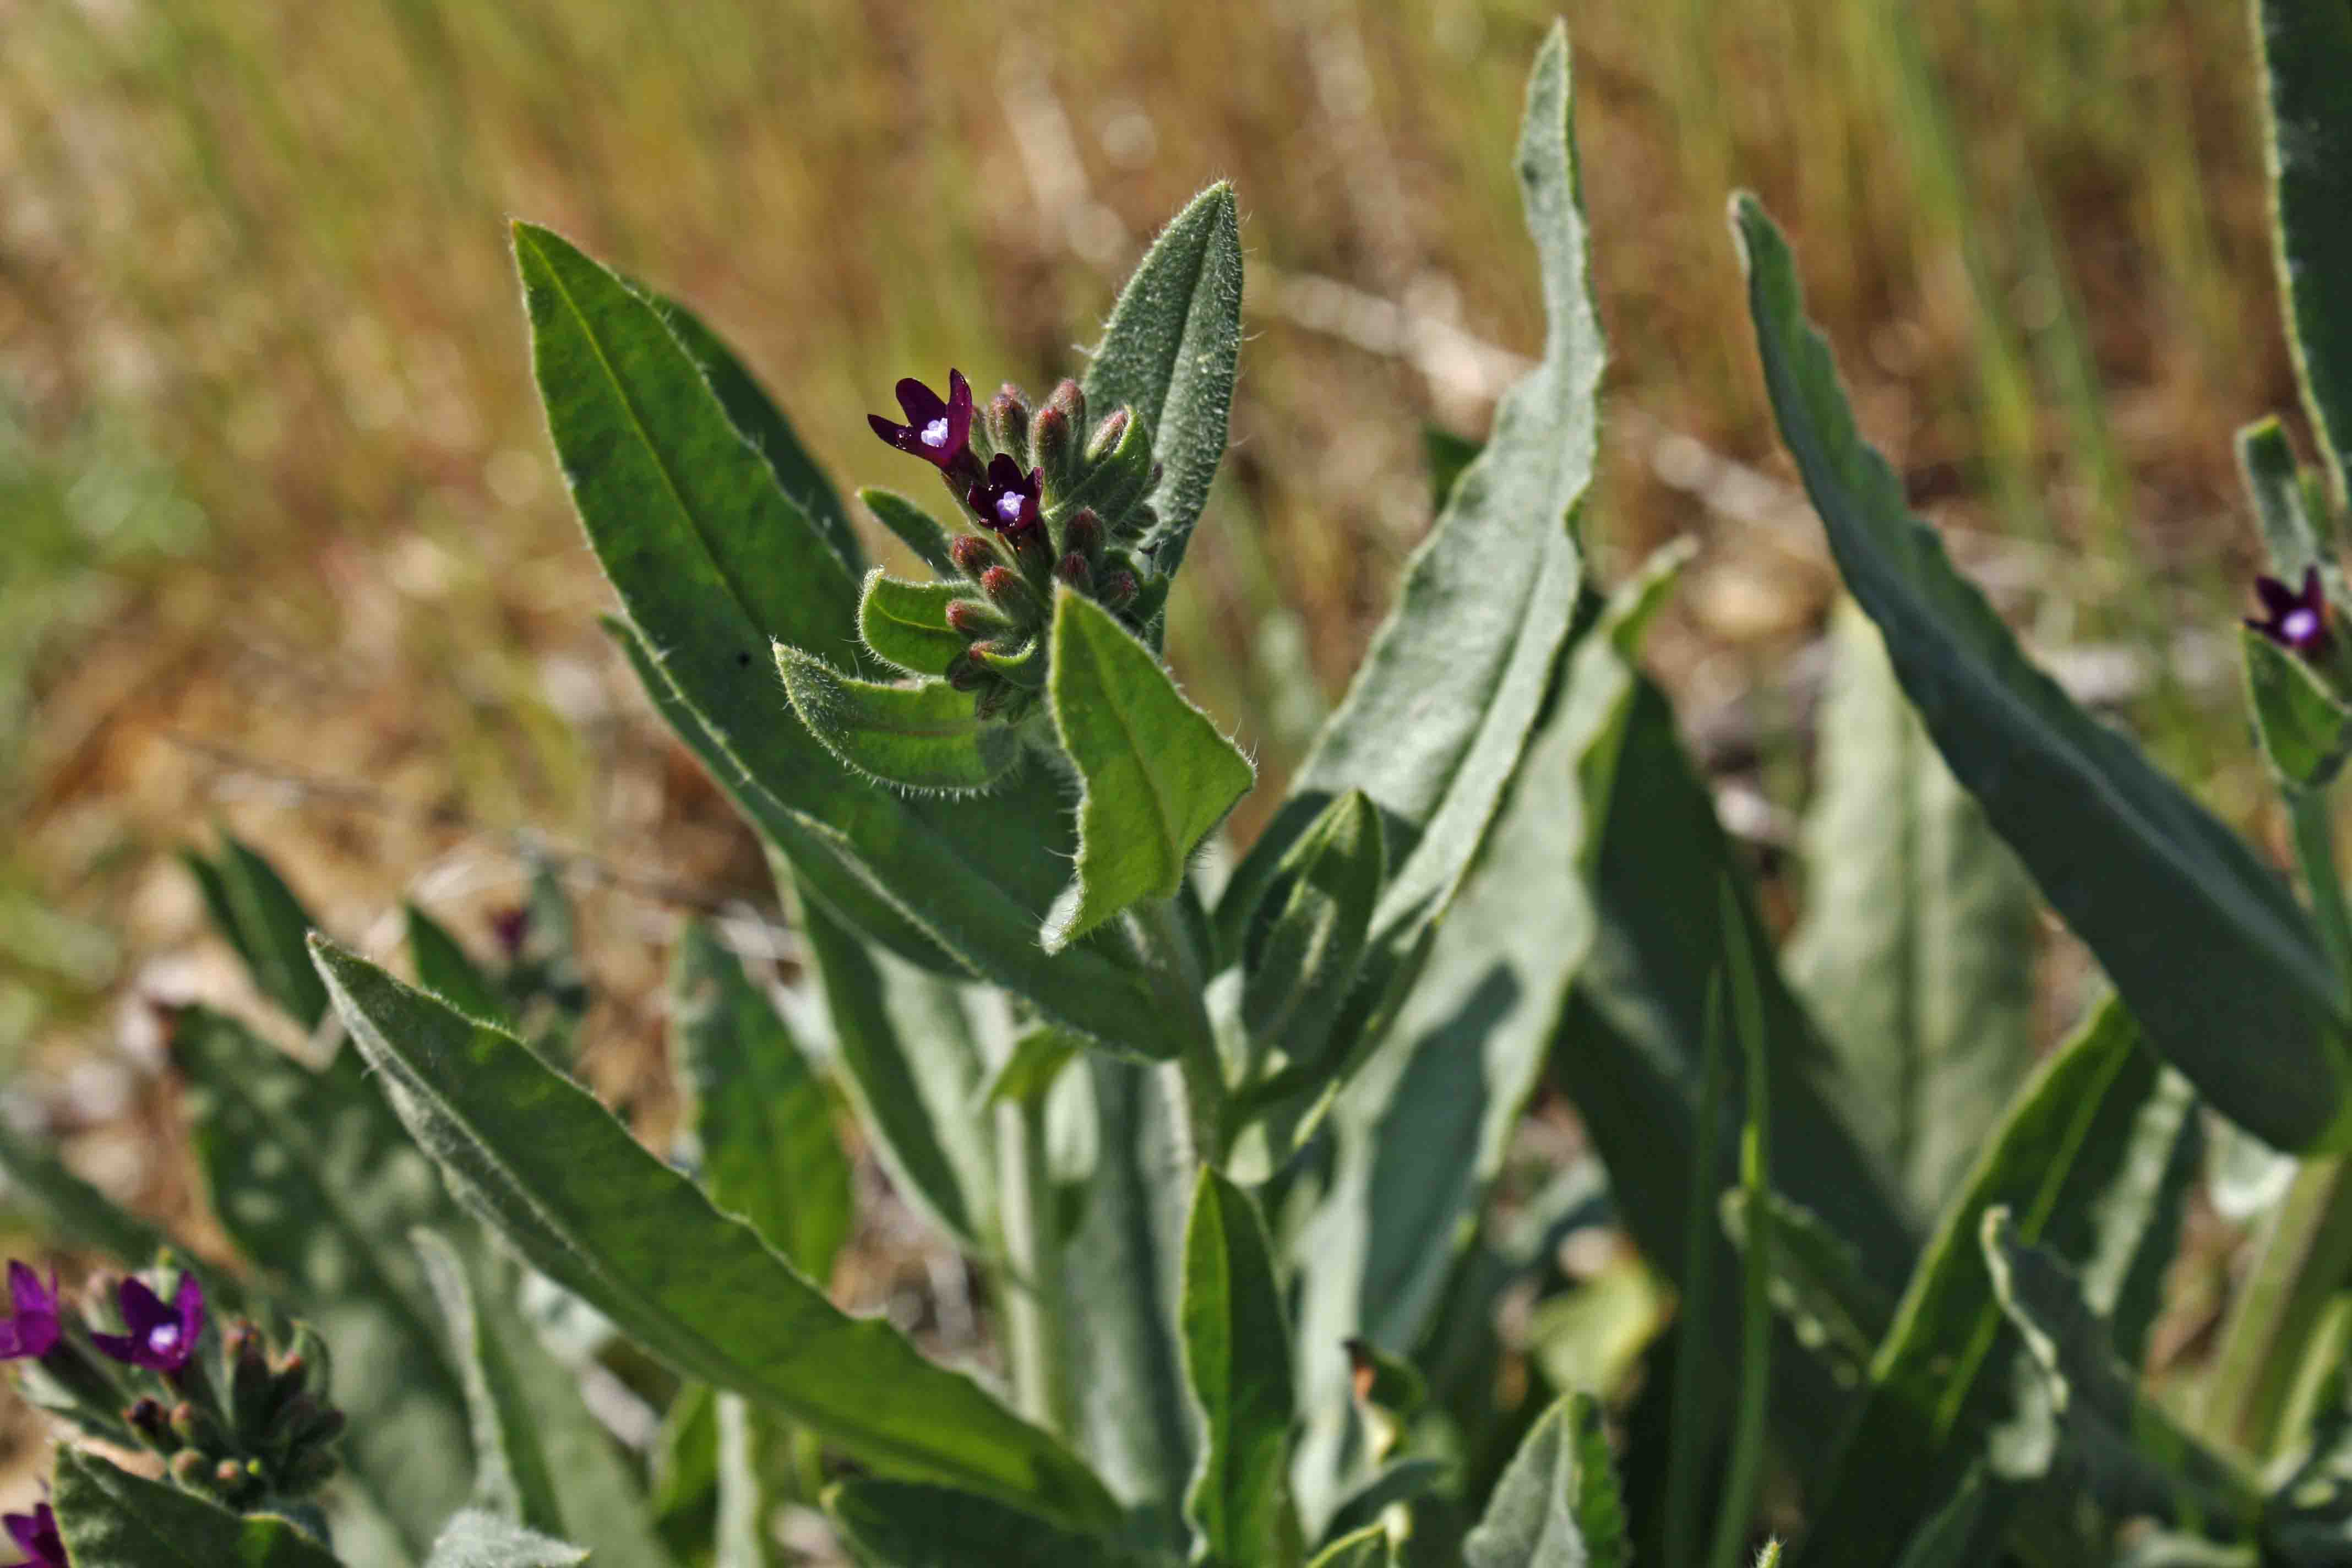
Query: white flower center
x,y
935,433
2298,625
1008,506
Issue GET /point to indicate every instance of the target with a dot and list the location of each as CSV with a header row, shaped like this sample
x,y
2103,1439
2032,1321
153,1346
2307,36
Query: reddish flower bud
x,y
1008,419
973,554
973,619
1083,534
1118,589
1073,569
1053,447
1106,434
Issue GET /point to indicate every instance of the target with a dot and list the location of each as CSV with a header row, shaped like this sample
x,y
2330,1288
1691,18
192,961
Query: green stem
x,y
1033,1284
2304,1257
2314,851
1176,971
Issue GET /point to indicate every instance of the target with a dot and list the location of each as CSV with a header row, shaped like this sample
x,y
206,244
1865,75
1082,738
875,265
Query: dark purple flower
x,y
36,1535
32,1328
1006,499
161,1338
937,430
2296,621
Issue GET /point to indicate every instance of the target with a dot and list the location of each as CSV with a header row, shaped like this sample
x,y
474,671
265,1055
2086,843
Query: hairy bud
x,y
146,1416
187,1468
1083,534
1009,591
1073,569
973,554
970,618
1118,589
1106,434
1008,419
965,675
1053,447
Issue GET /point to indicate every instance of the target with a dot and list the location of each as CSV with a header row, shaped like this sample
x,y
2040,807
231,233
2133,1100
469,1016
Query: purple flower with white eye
x,y
161,1337
36,1535
1005,497
938,430
2295,620
31,1329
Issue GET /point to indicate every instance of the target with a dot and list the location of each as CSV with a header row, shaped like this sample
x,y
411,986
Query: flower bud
x,y
1009,591
1082,533
1053,447
1008,419
228,1474
188,1468
1073,569
146,1416
970,618
1106,434
965,674
1069,399
973,554
1118,589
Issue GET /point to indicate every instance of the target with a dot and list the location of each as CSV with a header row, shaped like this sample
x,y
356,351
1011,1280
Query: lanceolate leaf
x,y
2090,1161
1921,931
1557,1506
1434,723
1300,973
906,623
314,1181
762,425
2306,48
768,1148
917,529
1168,352
1237,1355
894,1524
2204,941
266,923
443,969
2296,532
919,735
543,1460
538,1157
2305,730
476,1539
112,1519
713,564
1155,775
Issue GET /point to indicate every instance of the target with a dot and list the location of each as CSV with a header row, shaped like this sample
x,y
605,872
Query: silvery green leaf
x,y
2306,55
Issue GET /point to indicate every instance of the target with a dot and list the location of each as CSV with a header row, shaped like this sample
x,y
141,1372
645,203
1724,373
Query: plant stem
x,y
1176,970
1033,1284
2314,851
2306,1255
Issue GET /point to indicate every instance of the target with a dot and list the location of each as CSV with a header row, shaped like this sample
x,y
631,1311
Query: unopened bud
x,y
228,1473
1053,447
990,703
973,554
1069,399
1106,434
146,1416
188,1468
1007,591
1118,589
965,675
1008,419
970,618
1073,569
1083,534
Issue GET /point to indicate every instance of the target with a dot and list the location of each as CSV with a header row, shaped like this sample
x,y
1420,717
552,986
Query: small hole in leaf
x,y
742,661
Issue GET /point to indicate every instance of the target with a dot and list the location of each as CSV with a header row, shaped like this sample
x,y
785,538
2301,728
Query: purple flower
x,y
511,926
2296,621
161,1338
1006,499
32,1328
36,1535
937,430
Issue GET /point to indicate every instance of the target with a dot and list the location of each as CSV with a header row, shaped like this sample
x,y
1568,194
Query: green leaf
x,y
2205,942
542,1460
1168,352
1238,1359
2295,532
1557,1506
921,736
1744,1471
478,1540
1155,775
906,623
1306,960
443,969
2093,1161
2137,1461
73,1212
764,1125
1920,935
908,1056
1366,1548
1434,723
313,1179
742,1533
917,529
894,1524
1818,1284
1400,1482
540,1159
112,1519
763,427
267,924
2306,732
713,564
684,1471
2306,53
1029,1074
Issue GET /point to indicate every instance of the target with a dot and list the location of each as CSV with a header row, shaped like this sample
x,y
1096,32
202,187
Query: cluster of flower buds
x,y
231,1419
1050,499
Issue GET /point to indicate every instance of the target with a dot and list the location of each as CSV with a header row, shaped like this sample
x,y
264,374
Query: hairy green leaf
x,y
1168,352
1818,1284
1557,1506
1307,959
313,1179
2206,943
2306,732
112,1519
2297,534
906,623
1920,935
921,736
476,1539
1035,1065
917,529
1238,1359
540,1159
1434,723
541,1460
769,1149
1155,775
444,968
264,922
895,1524
2091,1161
2306,54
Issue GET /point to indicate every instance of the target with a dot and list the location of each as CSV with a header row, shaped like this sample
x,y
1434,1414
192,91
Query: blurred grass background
x,y
281,544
